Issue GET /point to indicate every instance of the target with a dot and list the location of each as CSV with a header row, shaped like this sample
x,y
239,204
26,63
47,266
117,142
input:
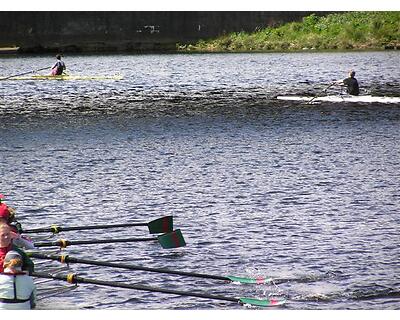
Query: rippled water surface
x,y
259,187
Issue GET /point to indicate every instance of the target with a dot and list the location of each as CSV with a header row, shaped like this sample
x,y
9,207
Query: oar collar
x,y
55,229
71,278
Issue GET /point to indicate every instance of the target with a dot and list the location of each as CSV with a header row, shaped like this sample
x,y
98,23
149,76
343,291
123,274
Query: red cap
x,y
4,212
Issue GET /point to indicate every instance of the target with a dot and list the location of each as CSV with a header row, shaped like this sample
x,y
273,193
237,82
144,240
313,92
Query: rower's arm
x,y
27,262
23,242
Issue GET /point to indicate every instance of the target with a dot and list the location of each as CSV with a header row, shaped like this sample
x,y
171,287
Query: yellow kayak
x,y
65,77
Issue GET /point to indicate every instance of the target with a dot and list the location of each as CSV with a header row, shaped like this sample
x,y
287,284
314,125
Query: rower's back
x,y
352,84
17,289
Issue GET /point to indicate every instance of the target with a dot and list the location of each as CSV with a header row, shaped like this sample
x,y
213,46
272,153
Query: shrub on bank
x,y
339,31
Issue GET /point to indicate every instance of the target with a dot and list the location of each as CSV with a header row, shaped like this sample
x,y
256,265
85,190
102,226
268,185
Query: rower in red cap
x,y
7,215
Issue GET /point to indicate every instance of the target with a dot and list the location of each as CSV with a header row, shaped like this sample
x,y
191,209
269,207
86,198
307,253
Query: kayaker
x,y
58,67
6,245
7,215
17,289
351,83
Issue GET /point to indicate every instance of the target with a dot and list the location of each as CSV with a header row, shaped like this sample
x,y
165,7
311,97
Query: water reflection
x,y
305,195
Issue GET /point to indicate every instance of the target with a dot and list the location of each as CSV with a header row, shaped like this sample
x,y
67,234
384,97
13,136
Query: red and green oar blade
x,y
68,259
73,278
169,240
259,280
172,239
263,302
160,225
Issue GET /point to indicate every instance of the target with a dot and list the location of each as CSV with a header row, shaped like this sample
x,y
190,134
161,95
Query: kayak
x,y
64,77
343,98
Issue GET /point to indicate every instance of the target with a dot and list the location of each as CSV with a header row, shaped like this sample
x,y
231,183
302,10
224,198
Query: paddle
x,y
67,259
168,240
21,74
160,225
318,95
73,278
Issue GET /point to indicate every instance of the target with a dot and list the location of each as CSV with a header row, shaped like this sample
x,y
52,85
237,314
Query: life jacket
x,y
17,291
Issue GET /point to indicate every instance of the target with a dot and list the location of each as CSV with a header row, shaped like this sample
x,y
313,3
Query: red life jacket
x,y
3,252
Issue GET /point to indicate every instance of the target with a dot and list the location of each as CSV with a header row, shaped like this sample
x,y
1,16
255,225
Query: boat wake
x,y
366,293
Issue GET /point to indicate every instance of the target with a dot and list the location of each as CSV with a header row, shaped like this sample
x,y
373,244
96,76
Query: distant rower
x,y
351,83
58,67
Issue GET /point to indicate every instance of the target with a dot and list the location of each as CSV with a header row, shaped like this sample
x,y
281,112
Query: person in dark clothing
x,y
351,83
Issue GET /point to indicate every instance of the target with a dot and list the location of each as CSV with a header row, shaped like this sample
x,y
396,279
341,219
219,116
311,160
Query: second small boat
x,y
66,77
342,98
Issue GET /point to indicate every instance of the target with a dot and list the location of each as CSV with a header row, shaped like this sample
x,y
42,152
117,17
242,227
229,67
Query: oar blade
x,y
263,302
172,239
259,280
161,225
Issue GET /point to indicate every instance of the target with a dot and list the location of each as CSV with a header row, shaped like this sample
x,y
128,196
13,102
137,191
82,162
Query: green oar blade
x,y
161,225
263,302
259,280
172,239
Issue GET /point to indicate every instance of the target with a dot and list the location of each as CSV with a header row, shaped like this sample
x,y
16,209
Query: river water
x,y
259,187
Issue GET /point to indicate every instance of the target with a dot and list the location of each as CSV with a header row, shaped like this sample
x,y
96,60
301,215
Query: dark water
x,y
257,186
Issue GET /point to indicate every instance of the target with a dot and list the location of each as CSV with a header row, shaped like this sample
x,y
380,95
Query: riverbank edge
x,y
17,51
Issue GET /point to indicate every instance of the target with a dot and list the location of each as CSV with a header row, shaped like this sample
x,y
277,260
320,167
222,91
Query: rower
x,y
17,289
351,83
7,215
58,67
6,245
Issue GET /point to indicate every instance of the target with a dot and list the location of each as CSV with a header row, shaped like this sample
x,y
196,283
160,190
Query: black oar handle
x,y
65,243
21,74
57,229
68,259
316,96
76,279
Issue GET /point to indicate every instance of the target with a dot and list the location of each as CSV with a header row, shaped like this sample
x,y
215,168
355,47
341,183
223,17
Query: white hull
x,y
346,98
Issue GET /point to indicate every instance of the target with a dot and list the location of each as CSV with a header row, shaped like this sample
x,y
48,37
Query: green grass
x,y
365,30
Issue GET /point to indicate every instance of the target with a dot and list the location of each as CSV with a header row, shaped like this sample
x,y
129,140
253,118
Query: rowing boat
x,y
342,98
65,77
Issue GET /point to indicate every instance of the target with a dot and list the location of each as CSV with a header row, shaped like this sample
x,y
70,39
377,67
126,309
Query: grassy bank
x,y
339,31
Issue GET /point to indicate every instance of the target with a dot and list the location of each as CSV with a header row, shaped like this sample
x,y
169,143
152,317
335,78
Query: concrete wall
x,y
126,31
